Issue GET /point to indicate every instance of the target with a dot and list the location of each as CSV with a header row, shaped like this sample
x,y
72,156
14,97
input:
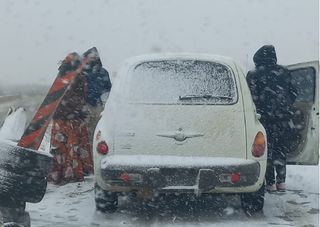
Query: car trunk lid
x,y
180,130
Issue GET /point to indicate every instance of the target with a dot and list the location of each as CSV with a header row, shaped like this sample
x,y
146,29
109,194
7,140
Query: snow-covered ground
x,y
73,205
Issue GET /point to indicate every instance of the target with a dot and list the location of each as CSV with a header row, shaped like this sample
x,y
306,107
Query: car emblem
x,y
179,135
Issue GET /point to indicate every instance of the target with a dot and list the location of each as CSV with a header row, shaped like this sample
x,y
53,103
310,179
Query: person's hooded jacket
x,y
98,81
270,85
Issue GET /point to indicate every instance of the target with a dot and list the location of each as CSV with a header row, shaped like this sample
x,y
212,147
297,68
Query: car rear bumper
x,y
170,174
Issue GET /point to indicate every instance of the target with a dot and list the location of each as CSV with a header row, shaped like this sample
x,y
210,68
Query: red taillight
x,y
125,177
102,147
235,178
259,145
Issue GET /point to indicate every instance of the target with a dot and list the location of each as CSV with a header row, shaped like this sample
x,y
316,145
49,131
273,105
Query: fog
x,y
36,34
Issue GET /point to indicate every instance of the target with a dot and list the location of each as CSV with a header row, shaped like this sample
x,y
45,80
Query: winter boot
x,y
281,187
271,188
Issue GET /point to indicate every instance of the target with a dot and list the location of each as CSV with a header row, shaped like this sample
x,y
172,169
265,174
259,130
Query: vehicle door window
x,y
304,82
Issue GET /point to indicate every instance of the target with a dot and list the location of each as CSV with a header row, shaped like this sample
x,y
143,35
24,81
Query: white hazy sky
x,y
36,34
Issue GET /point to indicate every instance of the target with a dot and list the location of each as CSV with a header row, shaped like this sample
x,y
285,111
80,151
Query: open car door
x,y
304,145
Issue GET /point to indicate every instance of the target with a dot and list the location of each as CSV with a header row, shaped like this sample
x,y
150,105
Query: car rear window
x,y
181,82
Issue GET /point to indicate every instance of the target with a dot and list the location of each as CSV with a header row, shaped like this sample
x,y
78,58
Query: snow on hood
x,y
14,125
13,129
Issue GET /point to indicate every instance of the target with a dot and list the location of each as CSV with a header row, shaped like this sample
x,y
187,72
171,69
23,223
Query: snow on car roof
x,y
191,56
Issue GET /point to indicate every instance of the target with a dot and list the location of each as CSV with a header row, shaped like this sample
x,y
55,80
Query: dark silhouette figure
x,y
273,95
97,83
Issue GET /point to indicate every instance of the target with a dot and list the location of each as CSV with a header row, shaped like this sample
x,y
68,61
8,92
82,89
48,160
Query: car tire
x,y
253,202
22,175
21,187
14,217
11,202
105,201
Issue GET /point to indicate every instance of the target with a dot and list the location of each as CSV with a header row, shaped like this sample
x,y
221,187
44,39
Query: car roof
x,y
190,56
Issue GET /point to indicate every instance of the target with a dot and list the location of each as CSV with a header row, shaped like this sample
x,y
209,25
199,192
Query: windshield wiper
x,y
207,96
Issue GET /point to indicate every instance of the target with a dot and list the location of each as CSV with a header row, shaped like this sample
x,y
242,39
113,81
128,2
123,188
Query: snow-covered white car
x,y
186,123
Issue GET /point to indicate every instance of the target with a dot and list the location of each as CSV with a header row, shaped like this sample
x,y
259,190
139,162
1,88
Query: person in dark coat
x,y
273,95
98,83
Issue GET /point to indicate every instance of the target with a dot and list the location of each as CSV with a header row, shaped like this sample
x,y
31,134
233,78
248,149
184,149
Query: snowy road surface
x,y
73,205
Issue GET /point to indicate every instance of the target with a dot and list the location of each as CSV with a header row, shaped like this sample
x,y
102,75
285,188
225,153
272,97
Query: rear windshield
x,y
181,82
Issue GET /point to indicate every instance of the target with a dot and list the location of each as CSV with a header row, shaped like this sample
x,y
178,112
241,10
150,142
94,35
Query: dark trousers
x,y
277,151
277,164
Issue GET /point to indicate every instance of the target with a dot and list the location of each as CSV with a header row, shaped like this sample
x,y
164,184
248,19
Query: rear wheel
x,y
14,217
105,201
253,202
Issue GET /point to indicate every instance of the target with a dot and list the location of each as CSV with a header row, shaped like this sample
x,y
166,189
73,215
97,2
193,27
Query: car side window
x,y
304,82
